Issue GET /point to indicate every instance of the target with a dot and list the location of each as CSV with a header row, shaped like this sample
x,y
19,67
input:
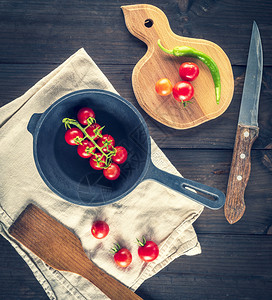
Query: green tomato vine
x,y
99,159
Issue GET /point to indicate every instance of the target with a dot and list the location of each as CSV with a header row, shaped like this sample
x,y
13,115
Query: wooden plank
x,y
49,31
16,79
230,22
212,168
195,287
16,279
228,255
230,267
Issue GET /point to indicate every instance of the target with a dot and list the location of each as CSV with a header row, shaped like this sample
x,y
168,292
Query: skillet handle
x,y
181,185
31,126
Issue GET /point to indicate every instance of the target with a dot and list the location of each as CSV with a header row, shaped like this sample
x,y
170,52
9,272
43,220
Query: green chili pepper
x,y
207,60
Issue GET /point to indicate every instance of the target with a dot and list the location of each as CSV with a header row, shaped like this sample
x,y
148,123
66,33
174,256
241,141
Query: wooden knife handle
x,y
239,172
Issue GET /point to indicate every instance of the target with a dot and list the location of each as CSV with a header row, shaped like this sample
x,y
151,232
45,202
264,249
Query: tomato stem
x,y
185,103
141,243
115,249
67,122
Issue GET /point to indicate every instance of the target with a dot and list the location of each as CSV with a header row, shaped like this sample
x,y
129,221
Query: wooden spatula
x,y
62,250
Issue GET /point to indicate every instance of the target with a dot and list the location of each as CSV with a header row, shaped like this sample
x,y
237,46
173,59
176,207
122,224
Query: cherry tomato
x,y
183,91
97,161
71,134
100,229
121,155
84,114
84,149
188,71
93,131
122,256
163,87
107,143
112,172
148,250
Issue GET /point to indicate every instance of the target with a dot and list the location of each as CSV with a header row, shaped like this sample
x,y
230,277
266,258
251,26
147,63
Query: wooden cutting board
x,y
62,250
148,23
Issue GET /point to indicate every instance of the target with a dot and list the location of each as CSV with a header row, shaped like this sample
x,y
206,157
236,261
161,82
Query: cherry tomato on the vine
x,y
112,172
106,142
71,134
84,114
183,91
163,87
120,156
188,71
100,229
148,250
122,256
97,161
86,149
93,131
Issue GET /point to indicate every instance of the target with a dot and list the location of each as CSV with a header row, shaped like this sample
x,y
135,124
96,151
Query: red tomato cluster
x,y
100,149
183,90
147,251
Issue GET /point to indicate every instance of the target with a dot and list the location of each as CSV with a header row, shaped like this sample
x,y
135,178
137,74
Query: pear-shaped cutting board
x,y
149,23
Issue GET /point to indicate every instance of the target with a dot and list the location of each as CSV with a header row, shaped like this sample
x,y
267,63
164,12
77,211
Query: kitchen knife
x,y
247,131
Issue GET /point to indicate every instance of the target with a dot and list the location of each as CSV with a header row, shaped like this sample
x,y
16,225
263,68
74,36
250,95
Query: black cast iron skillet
x,y
72,178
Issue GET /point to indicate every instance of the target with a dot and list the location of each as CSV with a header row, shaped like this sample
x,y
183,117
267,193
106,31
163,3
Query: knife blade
x,y
247,131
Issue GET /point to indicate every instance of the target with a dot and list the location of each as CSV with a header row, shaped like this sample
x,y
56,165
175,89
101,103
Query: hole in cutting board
x,y
148,23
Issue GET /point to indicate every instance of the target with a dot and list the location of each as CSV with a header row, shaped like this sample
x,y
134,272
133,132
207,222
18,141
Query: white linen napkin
x,y
151,210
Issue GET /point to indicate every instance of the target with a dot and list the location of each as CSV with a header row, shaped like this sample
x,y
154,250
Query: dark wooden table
x,y
236,263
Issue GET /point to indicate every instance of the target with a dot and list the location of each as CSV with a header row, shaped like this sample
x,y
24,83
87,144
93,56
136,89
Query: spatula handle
x,y
108,285
239,172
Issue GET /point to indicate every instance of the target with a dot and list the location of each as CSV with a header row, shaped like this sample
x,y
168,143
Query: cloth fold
x,y
151,210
